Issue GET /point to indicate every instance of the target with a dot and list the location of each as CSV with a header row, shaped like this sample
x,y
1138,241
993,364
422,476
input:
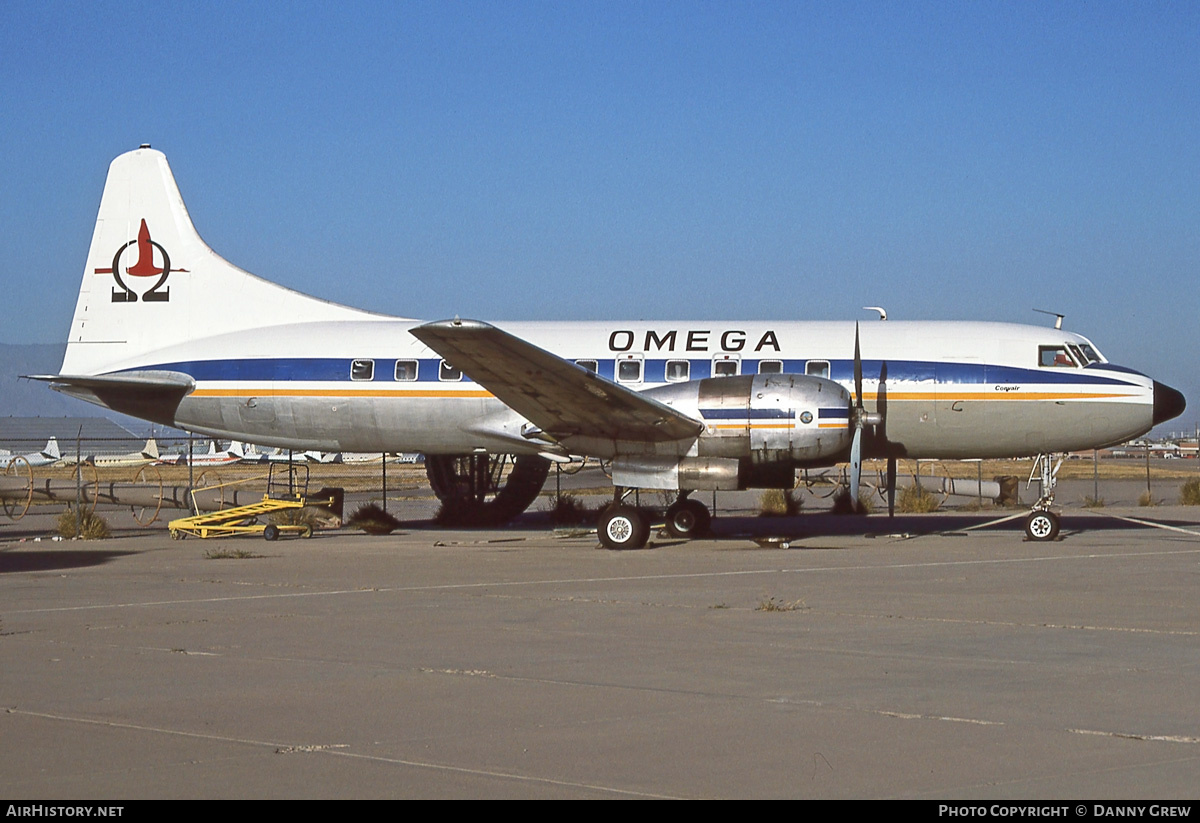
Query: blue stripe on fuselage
x,y
747,414
333,370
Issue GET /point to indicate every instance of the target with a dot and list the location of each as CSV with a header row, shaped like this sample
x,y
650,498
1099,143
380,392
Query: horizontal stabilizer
x,y
151,395
561,398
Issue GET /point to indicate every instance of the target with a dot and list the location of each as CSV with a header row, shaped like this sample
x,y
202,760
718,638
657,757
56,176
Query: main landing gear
x,y
484,489
1043,524
622,526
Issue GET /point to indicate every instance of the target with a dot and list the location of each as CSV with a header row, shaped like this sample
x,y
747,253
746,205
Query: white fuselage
x,y
951,389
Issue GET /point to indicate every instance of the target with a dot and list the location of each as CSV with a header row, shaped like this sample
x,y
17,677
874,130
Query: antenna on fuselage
x,y
1058,318
882,311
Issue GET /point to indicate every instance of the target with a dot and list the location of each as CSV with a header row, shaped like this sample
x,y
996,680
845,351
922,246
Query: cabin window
x,y
449,373
406,370
817,368
589,365
629,371
362,369
725,368
1055,357
678,371
770,367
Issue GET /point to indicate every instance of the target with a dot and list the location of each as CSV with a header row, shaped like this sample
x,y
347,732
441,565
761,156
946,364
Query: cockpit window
x,y
1055,357
1090,353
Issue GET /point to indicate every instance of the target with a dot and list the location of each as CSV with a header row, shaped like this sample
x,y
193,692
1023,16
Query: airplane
x,y
149,454
210,458
46,457
681,406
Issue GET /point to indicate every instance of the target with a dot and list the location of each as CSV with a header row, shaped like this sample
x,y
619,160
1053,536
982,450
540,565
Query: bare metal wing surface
x,y
559,397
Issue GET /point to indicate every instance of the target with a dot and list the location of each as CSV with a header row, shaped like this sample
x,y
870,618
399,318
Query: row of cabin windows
x,y
628,371
406,371
679,371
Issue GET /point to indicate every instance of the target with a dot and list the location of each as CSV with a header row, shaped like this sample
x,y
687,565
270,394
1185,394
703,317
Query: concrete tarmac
x,y
926,661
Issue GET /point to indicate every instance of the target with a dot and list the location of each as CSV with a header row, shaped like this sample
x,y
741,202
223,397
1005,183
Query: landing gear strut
x,y
475,491
1043,524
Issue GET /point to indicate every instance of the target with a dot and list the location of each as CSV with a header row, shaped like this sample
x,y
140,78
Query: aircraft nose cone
x,y
1168,403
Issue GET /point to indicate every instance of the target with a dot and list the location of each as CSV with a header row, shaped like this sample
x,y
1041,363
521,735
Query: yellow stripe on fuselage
x,y
340,393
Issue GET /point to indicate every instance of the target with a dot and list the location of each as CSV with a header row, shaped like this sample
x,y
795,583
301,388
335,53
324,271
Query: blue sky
x,y
635,160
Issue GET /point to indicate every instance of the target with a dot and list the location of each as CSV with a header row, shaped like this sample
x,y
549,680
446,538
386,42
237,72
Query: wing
x,y
561,398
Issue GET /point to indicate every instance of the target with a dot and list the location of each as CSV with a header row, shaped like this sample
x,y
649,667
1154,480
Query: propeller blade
x,y
855,466
891,486
858,395
881,402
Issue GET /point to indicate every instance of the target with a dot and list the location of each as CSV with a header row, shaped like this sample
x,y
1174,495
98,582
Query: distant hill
x,y
29,398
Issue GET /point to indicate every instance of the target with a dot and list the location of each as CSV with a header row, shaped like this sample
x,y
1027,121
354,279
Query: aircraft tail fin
x,y
151,283
51,449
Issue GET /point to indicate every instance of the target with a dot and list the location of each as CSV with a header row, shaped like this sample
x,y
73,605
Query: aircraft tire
x,y
1041,526
473,492
623,527
688,519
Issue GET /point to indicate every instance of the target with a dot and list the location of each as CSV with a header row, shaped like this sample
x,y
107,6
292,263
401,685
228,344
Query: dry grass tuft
x,y
373,520
89,526
770,604
230,554
1189,492
916,499
843,503
569,510
779,503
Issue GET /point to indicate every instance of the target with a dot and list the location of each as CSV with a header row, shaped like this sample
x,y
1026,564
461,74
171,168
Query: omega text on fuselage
x,y
698,340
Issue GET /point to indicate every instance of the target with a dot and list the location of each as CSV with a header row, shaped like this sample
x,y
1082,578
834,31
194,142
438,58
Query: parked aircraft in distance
x,y
148,454
46,457
673,405
212,457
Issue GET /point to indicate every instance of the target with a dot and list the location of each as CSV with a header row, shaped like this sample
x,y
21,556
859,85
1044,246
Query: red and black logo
x,y
145,267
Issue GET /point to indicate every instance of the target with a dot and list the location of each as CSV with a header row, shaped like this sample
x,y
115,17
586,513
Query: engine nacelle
x,y
757,428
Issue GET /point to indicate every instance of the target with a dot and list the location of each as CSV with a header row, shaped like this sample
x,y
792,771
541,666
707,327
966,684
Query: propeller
x,y
859,418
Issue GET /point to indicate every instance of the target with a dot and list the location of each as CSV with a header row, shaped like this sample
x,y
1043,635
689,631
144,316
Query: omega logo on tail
x,y
144,267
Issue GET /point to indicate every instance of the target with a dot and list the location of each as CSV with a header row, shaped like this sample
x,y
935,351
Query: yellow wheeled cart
x,y
282,495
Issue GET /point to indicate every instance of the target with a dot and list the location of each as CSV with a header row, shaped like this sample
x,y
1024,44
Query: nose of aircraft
x,y
1168,403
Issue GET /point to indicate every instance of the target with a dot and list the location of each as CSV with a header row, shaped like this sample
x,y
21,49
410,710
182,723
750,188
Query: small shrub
x,y
569,510
89,526
1146,499
373,520
1189,492
307,516
916,499
779,503
1093,502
